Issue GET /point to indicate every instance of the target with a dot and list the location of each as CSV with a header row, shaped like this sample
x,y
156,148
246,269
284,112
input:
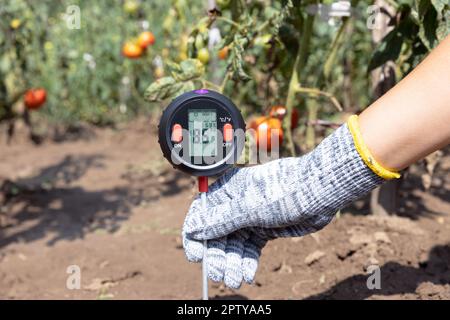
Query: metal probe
x,y
203,188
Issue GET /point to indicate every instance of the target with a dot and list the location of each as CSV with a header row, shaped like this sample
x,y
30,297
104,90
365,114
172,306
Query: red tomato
x,y
146,39
35,98
267,128
281,111
131,50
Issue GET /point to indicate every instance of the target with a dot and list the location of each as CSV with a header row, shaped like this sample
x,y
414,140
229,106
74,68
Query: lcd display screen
x,y
202,132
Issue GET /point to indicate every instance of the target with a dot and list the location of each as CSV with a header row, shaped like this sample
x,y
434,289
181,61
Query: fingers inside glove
x,y
250,257
216,259
234,251
215,255
193,249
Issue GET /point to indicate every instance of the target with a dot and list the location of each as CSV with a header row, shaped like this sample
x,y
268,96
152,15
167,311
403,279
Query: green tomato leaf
x,y
174,68
279,17
388,50
443,29
422,7
427,31
185,87
439,5
237,60
190,69
162,89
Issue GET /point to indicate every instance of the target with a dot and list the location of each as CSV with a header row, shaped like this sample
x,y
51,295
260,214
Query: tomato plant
x,y
83,70
284,52
260,53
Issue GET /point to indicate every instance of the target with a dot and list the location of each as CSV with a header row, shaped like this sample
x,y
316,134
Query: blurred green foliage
x,y
83,70
88,79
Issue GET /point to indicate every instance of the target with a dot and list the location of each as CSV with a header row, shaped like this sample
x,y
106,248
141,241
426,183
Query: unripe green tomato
x,y
168,23
131,6
199,43
202,28
263,41
203,55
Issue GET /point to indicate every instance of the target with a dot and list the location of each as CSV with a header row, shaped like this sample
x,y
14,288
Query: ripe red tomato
x,y
146,39
266,128
35,98
281,111
131,50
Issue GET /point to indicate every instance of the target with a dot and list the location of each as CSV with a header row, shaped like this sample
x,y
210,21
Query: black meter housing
x,y
202,133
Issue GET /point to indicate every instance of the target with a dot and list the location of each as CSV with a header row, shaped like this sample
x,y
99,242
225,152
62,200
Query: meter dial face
x,y
202,133
202,126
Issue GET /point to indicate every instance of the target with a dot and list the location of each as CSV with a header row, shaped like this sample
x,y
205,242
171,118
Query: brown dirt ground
x,y
110,204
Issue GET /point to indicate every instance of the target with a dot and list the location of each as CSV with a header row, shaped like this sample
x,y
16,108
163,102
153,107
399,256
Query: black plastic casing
x,y
177,113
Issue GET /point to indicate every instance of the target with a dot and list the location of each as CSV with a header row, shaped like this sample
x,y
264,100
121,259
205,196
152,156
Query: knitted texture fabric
x,y
288,197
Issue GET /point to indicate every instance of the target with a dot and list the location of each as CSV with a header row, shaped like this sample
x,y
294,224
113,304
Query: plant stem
x,y
224,82
229,21
332,54
316,92
299,65
293,84
206,83
312,108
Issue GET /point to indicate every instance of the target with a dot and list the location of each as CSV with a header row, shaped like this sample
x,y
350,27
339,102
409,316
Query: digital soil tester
x,y
202,133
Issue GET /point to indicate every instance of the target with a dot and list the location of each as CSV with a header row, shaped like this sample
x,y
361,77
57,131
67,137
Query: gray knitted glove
x,y
231,259
301,194
283,198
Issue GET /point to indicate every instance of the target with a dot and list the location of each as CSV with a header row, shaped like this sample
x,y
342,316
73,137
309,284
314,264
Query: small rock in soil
x,y
313,257
381,236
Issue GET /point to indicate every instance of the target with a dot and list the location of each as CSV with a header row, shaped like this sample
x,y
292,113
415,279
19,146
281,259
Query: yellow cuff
x,y
364,152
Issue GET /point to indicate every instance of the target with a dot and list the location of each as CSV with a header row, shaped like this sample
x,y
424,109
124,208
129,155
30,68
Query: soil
x,y
109,203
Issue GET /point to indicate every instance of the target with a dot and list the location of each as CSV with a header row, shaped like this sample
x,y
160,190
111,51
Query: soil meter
x,y
202,133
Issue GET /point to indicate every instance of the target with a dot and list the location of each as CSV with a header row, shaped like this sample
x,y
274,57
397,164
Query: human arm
x,y
413,118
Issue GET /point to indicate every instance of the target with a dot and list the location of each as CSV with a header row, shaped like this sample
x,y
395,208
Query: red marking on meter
x,y
227,132
177,133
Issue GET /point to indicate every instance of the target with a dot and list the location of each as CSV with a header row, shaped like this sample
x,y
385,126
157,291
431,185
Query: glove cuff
x,y
364,152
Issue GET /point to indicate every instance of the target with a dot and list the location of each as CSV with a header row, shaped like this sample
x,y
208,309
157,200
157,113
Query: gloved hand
x,y
286,197
232,259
